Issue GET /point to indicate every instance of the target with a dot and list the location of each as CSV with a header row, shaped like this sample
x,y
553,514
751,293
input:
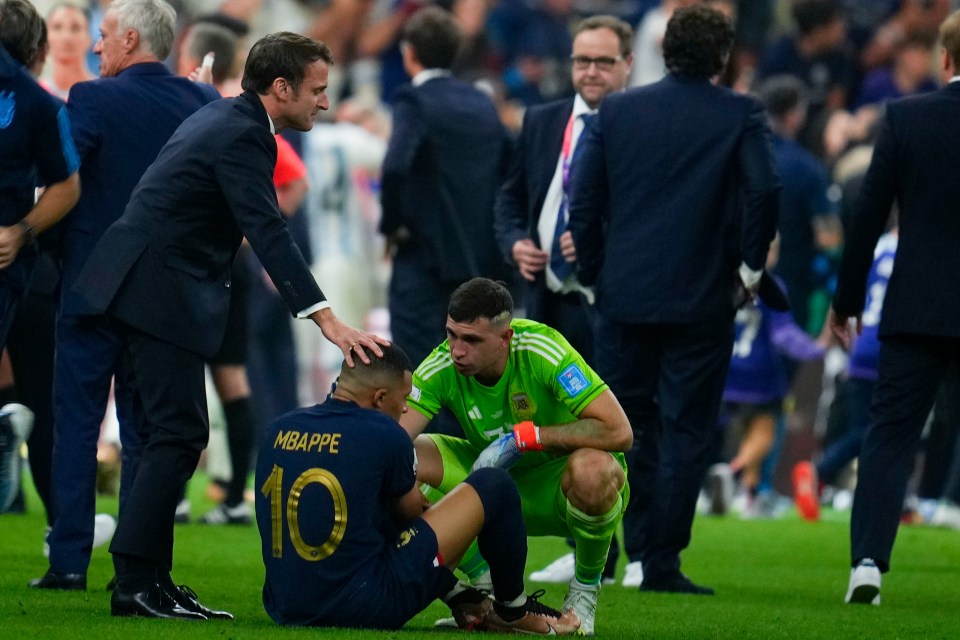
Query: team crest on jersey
x,y
573,380
7,108
523,406
406,537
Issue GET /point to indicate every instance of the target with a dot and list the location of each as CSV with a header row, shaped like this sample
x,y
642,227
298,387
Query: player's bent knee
x,y
593,480
495,488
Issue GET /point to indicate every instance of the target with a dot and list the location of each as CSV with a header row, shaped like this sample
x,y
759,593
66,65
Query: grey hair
x,y
154,20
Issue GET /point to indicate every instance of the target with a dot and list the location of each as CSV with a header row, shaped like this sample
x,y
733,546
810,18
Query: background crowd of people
x,y
372,219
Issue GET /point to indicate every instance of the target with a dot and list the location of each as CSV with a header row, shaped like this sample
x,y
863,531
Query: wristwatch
x,y
28,234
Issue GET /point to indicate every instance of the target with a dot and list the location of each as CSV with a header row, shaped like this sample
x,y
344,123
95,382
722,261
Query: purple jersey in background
x,y
763,338
866,349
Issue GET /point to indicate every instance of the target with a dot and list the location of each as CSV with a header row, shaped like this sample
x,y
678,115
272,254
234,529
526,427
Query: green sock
x,y
592,536
472,564
433,495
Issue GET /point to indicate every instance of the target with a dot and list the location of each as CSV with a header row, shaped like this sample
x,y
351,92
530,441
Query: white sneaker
x,y
104,525
946,514
864,583
182,515
16,423
634,574
560,571
582,598
720,487
222,514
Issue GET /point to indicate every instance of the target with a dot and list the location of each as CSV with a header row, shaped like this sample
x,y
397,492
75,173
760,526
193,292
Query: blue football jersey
x,y
326,477
866,349
764,337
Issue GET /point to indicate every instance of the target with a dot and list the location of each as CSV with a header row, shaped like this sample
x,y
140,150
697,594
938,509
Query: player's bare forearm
x,y
414,422
409,506
601,425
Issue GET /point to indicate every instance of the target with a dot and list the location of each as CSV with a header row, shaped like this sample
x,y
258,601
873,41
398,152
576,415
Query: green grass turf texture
x,y
774,579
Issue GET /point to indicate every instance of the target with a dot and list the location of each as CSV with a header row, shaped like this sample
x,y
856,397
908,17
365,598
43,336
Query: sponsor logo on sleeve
x,y
415,393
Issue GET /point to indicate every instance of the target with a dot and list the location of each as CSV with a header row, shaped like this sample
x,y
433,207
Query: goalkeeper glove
x,y
505,451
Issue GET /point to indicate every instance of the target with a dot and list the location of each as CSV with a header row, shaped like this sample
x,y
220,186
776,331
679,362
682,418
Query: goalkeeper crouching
x,y
346,541
529,403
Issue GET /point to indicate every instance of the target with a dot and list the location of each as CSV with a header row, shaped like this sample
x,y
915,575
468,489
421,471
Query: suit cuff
x,y
306,313
749,276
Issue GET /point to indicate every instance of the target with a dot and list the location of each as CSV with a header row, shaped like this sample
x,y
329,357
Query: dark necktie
x,y
560,267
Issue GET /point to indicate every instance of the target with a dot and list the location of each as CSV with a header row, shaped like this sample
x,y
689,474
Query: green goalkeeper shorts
x,y
544,505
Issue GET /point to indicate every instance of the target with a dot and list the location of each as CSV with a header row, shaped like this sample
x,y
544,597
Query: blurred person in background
x,y
69,38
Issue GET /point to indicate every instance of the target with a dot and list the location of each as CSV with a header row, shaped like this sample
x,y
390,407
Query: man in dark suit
x,y
675,189
917,150
531,209
120,123
161,274
443,166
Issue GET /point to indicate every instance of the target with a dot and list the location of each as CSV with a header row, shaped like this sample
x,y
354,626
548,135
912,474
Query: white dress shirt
x,y
551,206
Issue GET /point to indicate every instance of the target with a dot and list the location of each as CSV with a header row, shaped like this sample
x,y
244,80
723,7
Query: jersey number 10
x,y
273,489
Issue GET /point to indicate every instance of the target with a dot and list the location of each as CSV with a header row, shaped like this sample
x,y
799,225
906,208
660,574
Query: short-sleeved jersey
x,y
545,381
35,137
36,149
326,476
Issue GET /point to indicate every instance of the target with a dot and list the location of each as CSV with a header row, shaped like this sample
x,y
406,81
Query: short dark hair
x,y
20,29
434,36
950,38
697,42
811,15
781,94
281,55
204,37
622,30
481,298
381,371
238,27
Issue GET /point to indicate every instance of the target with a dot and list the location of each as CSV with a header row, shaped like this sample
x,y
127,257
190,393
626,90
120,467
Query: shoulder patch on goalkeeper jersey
x,y
573,380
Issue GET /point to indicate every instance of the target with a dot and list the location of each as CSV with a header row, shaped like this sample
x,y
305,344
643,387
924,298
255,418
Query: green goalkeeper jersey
x,y
545,381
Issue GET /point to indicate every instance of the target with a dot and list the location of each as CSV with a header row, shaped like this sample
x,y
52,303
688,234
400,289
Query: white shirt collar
x,y
429,74
273,129
954,79
581,107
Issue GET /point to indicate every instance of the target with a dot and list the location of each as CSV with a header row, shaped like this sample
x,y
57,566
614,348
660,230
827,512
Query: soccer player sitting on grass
x,y
345,538
527,401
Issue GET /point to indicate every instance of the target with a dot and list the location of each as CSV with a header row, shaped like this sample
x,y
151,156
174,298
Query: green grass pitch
x,y
774,579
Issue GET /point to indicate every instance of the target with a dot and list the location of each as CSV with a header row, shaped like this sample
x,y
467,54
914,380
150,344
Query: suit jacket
x,y
914,164
675,186
164,266
444,163
534,163
119,126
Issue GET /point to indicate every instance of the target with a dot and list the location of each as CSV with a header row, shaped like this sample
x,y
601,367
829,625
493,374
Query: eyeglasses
x,y
604,63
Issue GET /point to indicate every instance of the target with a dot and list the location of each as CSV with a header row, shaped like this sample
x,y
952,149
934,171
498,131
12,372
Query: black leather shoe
x,y
152,602
674,583
60,581
187,599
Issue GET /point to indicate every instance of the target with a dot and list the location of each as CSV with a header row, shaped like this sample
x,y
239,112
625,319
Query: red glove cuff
x,y
527,436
